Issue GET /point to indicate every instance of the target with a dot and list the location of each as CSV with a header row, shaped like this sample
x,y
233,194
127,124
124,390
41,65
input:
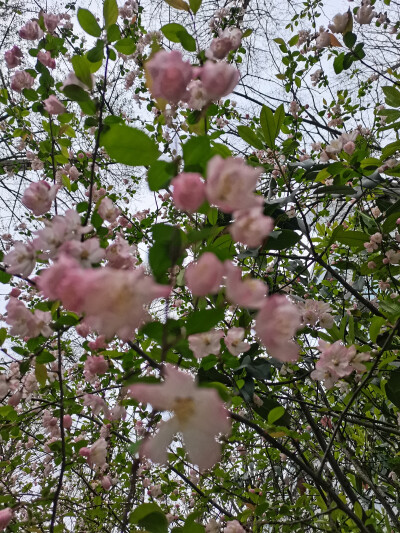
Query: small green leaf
x,y
125,46
96,54
178,4
76,93
275,414
110,12
3,335
203,320
150,517
82,70
271,124
41,374
350,39
129,146
248,135
88,22
159,175
282,239
196,153
392,96
375,327
4,277
45,357
113,33
195,5
392,388
350,238
212,215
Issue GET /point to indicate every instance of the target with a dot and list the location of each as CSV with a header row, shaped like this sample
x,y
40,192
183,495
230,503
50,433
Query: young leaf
x,y
88,22
195,5
110,12
129,146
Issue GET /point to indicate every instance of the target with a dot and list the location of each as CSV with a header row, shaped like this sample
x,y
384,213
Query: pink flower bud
x,y
13,57
31,31
189,191
219,79
67,421
21,80
39,196
5,517
349,147
205,276
106,483
169,75
51,21
46,59
53,105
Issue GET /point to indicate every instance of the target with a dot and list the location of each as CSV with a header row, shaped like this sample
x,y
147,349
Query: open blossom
x,y
315,311
251,227
72,79
13,57
203,344
46,59
27,324
219,79
94,365
97,454
365,13
107,210
113,301
205,276
86,253
51,21
199,415
189,191
67,421
31,31
247,292
120,254
334,362
5,517
169,75
393,257
323,40
276,324
96,403
21,80
340,22
197,95
21,259
228,40
53,105
230,184
234,527
39,196
234,341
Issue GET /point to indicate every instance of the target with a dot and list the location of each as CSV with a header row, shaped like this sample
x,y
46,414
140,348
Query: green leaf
x,y
125,46
204,320
165,251
248,135
113,33
110,12
151,517
178,34
178,4
375,327
390,223
41,374
212,215
96,54
282,239
129,146
271,124
196,153
392,96
8,412
350,238
392,388
275,414
338,63
336,189
4,277
3,335
159,175
88,22
82,70
45,357
195,5
76,93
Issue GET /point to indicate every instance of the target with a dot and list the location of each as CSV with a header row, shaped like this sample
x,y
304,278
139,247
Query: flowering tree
x,y
201,322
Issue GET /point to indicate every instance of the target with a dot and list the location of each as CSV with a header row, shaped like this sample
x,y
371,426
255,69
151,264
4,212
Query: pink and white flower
x,y
169,76
39,196
251,227
234,341
248,292
31,31
13,57
21,259
189,191
5,517
219,79
46,59
205,276
199,415
21,80
203,344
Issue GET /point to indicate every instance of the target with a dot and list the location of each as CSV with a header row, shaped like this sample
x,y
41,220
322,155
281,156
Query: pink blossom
x,y
26,324
98,344
365,13
393,257
371,265
234,341
46,60
106,482
189,191
204,276
86,253
96,454
53,105
51,21
112,300
5,517
39,196
219,79
228,40
96,403
334,363
21,259
199,415
251,227
72,79
340,22
315,311
197,95
31,31
73,173
169,75
13,57
21,80
230,184
349,147
233,527
94,365
203,344
121,255
107,210
323,40
248,292
67,421
276,324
